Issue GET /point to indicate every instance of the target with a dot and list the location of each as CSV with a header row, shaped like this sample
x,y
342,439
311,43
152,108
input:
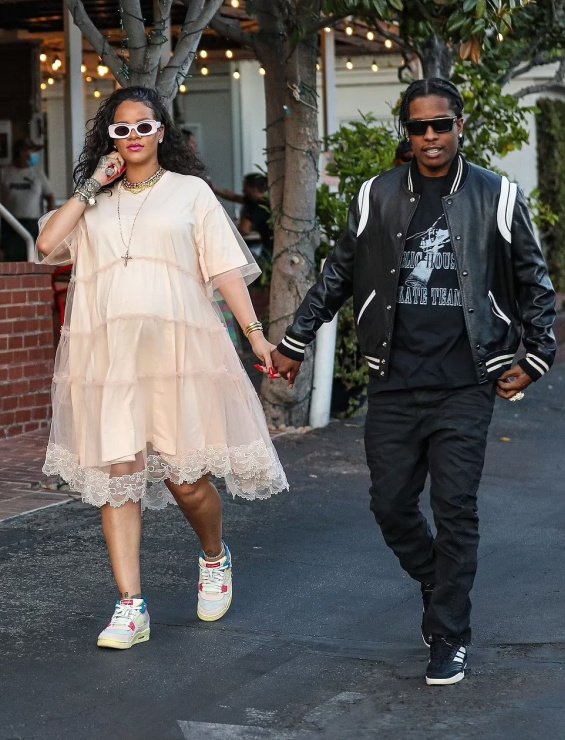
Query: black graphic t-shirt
x,y
430,346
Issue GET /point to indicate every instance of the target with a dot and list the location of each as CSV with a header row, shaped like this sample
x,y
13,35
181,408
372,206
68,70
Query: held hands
x,y
109,167
286,368
512,382
262,349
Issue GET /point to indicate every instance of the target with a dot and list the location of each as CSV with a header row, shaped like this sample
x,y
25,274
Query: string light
x,y
97,93
43,57
102,69
50,81
83,68
43,86
349,64
204,71
318,67
349,31
370,36
500,37
327,29
236,74
56,64
374,66
183,88
88,79
262,71
388,43
234,3
203,54
229,54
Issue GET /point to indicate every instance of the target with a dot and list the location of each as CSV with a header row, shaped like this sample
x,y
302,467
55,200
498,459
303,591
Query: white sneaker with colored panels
x,y
214,587
128,626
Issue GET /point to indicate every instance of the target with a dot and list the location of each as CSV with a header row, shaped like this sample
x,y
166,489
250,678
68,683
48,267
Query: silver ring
x,y
109,171
517,396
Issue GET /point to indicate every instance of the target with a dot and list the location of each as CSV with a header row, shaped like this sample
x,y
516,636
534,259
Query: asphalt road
x,y
323,637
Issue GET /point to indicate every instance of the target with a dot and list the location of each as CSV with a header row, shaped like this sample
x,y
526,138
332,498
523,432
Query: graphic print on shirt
x,y
431,262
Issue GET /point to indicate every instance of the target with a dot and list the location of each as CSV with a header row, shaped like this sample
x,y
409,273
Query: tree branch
x,y
134,27
557,83
231,30
98,41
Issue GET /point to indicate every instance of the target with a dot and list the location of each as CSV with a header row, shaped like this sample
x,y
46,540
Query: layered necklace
x,y
135,187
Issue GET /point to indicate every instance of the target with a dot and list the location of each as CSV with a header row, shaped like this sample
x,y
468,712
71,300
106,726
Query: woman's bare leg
x,y
201,504
122,529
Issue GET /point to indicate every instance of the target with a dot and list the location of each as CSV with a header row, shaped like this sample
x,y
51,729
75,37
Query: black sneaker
x,y
447,662
427,589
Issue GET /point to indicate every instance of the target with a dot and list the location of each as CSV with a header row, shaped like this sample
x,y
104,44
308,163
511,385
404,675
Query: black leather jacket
x,y
505,288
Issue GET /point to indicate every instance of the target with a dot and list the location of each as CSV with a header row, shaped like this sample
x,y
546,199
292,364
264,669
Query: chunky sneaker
x,y
128,626
447,662
427,589
214,587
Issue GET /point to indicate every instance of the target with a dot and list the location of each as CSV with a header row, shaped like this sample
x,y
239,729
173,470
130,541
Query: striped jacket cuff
x,y
292,348
533,365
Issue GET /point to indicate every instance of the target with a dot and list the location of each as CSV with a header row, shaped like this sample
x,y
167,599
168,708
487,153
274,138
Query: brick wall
x,y
26,347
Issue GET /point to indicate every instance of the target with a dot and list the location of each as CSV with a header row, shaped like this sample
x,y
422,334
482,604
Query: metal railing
x,y
21,231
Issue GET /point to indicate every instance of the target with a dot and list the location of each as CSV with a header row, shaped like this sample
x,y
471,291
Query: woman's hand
x,y
262,348
109,168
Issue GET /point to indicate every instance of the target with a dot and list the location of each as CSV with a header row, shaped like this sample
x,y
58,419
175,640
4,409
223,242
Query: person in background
x,y
404,153
25,191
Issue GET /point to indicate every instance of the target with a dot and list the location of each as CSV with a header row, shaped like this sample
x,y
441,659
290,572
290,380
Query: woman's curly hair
x,y
174,154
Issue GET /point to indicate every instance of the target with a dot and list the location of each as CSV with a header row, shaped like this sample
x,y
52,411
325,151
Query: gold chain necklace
x,y
137,187
126,257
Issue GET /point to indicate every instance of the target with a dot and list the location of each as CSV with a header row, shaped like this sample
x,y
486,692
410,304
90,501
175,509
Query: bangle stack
x,y
87,191
253,326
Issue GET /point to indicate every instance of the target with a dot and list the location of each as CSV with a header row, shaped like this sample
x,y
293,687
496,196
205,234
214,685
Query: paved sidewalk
x,y
21,479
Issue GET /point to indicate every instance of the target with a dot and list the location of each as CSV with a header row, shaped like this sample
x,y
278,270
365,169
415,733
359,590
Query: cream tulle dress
x,y
145,370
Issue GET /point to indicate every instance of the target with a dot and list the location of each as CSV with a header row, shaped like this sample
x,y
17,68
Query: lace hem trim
x,y
251,471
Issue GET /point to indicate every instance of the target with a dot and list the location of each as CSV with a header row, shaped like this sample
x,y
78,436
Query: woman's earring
x,y
160,141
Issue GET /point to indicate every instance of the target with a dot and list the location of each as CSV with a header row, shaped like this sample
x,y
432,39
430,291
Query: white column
x,y
321,399
74,97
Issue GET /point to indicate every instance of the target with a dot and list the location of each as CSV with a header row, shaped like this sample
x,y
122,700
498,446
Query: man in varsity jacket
x,y
446,277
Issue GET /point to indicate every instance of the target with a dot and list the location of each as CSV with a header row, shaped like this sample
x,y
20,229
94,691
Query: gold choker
x,y
137,187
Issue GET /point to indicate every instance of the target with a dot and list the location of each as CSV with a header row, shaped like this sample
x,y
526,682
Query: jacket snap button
x,y
464,273
382,372
388,308
471,310
384,344
412,199
478,346
392,271
449,202
383,362
458,238
399,234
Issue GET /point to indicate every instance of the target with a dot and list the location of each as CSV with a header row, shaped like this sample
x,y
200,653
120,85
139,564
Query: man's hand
x,y
286,367
512,382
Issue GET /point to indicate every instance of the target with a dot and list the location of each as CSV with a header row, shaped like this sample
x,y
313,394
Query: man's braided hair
x,y
432,86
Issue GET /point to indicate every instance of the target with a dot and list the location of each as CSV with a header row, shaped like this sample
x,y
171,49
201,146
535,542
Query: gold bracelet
x,y
253,326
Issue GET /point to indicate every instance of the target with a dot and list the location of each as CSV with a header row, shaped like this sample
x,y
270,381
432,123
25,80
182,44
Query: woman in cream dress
x,y
149,396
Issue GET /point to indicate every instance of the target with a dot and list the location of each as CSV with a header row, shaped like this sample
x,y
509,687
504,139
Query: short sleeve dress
x,y
145,370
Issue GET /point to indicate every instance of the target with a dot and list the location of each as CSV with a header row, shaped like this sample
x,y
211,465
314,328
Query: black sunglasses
x,y
439,125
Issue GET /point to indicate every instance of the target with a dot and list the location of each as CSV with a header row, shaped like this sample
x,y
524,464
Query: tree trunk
x,y
437,58
293,201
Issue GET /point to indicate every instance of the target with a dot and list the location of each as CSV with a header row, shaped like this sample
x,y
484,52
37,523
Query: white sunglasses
x,y
123,130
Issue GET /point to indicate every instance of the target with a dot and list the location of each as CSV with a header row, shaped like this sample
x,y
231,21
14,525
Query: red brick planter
x,y
26,347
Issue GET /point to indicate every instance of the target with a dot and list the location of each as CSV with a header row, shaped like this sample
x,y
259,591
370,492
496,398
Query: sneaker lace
x,y
122,615
212,579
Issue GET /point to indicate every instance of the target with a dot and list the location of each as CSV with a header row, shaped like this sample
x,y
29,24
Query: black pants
x,y
409,434
13,246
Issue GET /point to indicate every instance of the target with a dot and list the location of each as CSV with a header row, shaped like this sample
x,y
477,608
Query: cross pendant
x,y
125,257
